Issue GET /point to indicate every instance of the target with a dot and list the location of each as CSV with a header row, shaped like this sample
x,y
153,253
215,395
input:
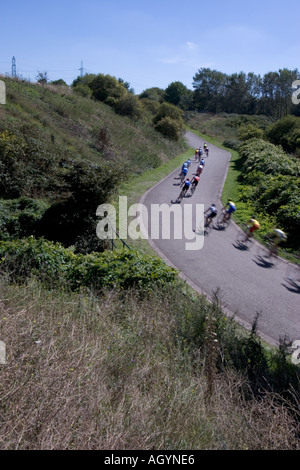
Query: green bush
x,y
169,127
271,184
286,132
19,217
233,144
73,220
129,106
249,132
263,156
168,110
55,265
107,88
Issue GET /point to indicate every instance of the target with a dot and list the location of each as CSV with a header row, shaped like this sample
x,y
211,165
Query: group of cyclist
x,y
187,183
199,152
275,237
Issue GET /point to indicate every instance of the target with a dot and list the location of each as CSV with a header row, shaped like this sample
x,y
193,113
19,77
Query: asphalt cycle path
x,y
246,284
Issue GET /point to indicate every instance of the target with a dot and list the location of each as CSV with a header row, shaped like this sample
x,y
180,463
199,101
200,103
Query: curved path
x,y
246,284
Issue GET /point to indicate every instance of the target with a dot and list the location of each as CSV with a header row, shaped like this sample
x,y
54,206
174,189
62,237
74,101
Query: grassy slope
x,y
85,128
113,372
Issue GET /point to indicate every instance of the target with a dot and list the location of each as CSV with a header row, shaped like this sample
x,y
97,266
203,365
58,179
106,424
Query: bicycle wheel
x,y
208,227
222,221
263,254
241,239
242,236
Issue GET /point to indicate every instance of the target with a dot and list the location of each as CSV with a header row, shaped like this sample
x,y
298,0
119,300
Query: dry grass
x,y
83,373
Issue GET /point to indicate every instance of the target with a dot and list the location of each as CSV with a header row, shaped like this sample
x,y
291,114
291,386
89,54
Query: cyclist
x,y
184,171
194,182
276,237
253,225
202,162
229,208
188,162
199,170
184,165
206,151
186,185
211,213
200,152
196,154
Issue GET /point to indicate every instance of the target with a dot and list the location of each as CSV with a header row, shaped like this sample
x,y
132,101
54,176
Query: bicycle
x,y
193,188
243,238
182,194
223,220
268,252
208,225
183,176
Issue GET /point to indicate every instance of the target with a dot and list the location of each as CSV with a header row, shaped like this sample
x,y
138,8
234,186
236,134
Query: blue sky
x,y
148,44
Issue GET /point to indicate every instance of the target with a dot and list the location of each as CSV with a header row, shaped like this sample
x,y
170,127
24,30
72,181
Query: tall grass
x,y
115,373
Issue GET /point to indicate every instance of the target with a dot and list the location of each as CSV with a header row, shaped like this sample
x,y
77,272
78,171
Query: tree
x,y
126,85
286,132
209,90
107,88
42,78
129,106
237,95
154,94
59,82
169,110
84,80
175,93
169,127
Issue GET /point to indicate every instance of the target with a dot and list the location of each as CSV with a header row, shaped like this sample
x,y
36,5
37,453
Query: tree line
x,y
213,92
241,93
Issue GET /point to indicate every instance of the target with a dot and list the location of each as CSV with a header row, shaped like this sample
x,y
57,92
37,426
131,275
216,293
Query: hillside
x,y
110,349
62,156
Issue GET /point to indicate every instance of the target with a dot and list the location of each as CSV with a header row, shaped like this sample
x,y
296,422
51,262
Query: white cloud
x,y
191,45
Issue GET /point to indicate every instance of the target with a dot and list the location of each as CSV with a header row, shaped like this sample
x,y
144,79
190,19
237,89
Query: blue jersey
x,y
231,207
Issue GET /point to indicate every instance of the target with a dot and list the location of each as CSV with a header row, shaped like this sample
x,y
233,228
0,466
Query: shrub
x,y
286,132
73,221
233,144
263,156
168,110
249,132
82,90
129,106
19,217
107,88
55,265
169,127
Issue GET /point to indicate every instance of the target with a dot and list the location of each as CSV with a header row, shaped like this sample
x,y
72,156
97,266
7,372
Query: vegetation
x,y
242,93
56,266
110,349
266,177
